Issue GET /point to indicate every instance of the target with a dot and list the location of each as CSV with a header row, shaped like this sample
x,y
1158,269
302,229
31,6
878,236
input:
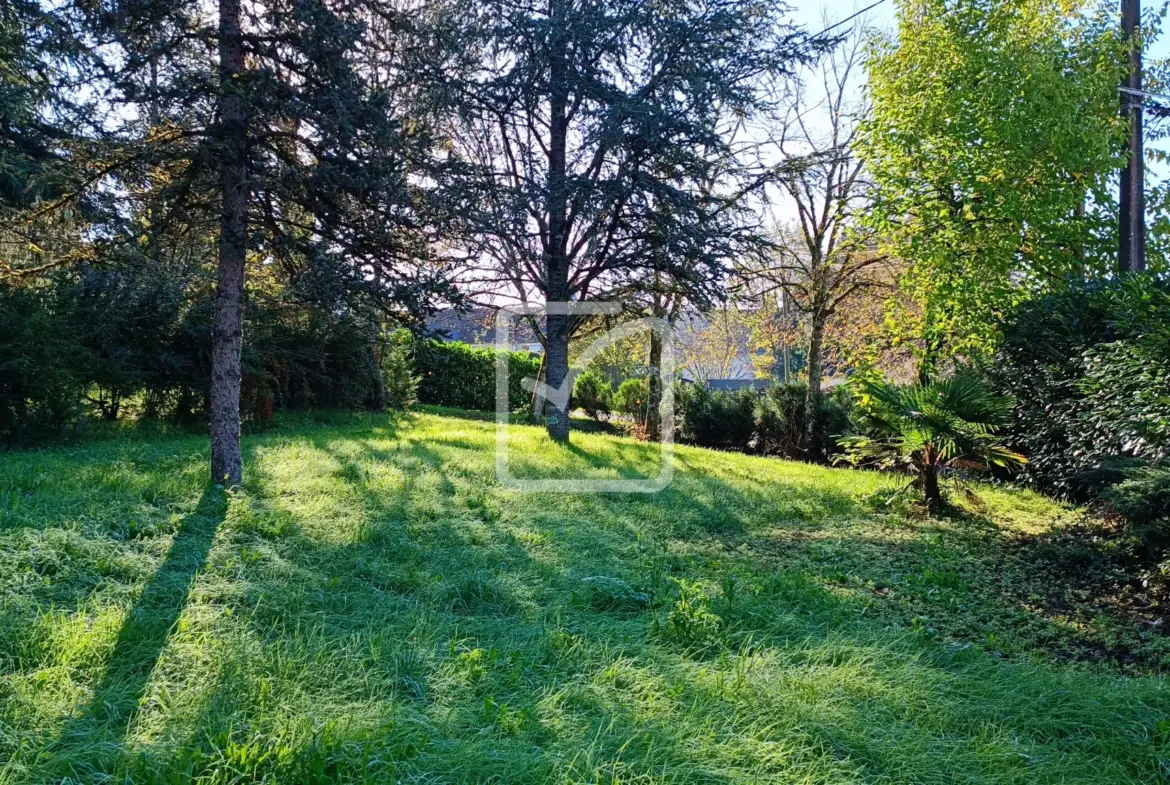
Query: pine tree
x,y
595,147
286,129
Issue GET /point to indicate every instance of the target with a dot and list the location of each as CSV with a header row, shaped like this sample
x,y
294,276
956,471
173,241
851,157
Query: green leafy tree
x,y
930,429
993,134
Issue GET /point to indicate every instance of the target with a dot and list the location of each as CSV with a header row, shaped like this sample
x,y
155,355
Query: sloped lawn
x,y
372,607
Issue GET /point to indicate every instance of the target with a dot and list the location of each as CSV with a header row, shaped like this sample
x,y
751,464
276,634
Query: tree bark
x,y
931,491
227,331
654,399
812,396
556,261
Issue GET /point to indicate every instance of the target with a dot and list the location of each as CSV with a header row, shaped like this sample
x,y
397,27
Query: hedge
x,y
1089,368
456,374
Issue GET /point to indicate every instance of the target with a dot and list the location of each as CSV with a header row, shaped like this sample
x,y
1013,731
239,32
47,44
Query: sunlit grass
x,y
372,607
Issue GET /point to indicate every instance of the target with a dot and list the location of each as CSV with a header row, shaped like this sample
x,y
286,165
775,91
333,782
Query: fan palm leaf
x,y
930,429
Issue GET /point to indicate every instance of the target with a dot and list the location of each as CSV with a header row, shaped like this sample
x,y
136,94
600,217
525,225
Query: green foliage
x,y
623,359
399,382
39,362
134,339
930,429
780,421
1142,496
994,124
593,393
1126,382
632,398
714,418
456,374
769,422
1090,369
690,621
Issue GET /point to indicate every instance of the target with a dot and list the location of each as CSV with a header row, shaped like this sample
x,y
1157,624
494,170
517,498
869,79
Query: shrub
x,y
399,384
1089,368
781,421
593,393
929,429
631,398
456,374
39,357
1141,494
123,332
723,420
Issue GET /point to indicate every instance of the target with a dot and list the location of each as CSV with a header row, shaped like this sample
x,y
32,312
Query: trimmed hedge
x,y
456,374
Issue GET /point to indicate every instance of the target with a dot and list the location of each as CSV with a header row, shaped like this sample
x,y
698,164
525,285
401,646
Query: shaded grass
x,y
372,607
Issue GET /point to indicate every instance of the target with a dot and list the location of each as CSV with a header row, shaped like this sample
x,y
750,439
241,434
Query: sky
x,y
815,15
811,13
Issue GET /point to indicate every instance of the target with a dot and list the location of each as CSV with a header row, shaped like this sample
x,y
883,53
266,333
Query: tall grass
x,y
371,607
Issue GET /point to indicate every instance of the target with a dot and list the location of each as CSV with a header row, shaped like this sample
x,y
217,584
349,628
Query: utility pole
x,y
1133,194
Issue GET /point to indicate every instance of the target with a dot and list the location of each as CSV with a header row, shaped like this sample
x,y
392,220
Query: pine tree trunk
x,y
227,332
654,399
556,261
812,397
556,372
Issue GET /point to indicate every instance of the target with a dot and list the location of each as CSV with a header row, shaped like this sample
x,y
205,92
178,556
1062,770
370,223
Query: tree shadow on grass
x,y
103,723
852,699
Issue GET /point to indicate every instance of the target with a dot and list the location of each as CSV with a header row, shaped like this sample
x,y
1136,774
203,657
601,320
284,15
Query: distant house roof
x,y
477,327
731,385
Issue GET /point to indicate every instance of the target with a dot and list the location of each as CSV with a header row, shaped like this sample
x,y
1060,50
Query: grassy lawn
x,y
372,607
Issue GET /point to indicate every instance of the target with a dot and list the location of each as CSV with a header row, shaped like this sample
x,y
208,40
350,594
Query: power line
x,y
847,19
1145,94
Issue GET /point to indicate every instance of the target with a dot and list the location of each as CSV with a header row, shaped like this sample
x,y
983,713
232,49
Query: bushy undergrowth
x,y
632,397
781,422
771,422
1089,369
108,338
713,418
593,393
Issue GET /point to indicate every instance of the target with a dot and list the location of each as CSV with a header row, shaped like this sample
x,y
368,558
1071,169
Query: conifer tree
x,y
286,129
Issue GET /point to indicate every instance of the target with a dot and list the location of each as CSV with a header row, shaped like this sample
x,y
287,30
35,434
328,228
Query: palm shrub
x,y
929,430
